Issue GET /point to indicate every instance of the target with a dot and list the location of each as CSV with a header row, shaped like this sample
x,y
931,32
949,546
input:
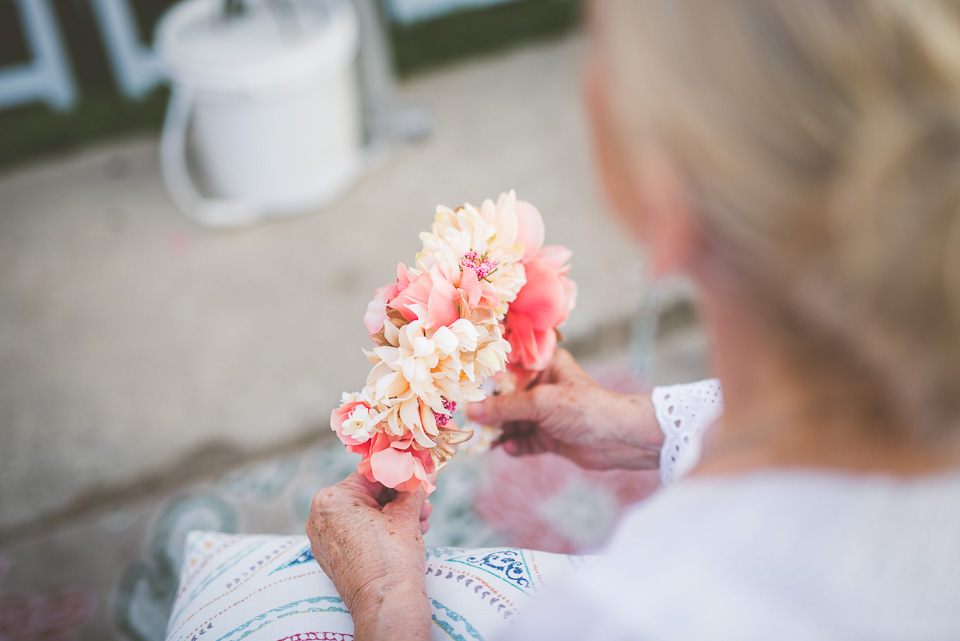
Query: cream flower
x,y
363,396
427,366
485,240
408,369
361,424
466,334
491,354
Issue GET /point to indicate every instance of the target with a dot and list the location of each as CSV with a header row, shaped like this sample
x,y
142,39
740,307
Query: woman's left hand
x,y
369,541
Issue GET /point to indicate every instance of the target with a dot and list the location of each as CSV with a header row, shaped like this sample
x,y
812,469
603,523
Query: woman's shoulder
x,y
797,555
801,521
805,508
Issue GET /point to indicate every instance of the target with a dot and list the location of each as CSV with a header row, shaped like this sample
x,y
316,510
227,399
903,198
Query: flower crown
x,y
483,301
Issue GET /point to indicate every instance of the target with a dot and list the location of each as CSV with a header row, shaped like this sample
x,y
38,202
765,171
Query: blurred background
x,y
197,201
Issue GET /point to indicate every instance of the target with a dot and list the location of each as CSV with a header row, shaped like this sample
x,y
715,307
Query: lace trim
x,y
684,412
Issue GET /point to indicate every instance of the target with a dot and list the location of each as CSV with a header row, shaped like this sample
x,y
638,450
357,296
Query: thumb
x,y
564,367
518,406
407,504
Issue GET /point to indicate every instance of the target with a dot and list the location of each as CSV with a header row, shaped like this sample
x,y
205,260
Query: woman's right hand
x,y
567,412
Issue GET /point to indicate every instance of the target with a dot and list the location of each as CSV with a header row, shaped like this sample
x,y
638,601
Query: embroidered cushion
x,y
270,587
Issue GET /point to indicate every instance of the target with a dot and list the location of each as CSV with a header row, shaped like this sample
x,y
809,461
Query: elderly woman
x,y
798,160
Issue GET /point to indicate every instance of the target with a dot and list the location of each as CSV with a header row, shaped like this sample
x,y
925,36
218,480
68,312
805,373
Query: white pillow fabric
x,y
259,588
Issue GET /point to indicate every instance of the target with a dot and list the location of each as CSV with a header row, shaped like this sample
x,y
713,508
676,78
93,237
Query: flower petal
x,y
376,311
531,231
555,256
392,467
418,292
441,304
543,300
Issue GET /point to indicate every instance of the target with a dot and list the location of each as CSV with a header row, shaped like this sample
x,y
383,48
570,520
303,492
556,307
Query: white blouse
x,y
768,555
685,412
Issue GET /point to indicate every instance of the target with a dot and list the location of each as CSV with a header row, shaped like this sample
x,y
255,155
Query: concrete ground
x,y
140,351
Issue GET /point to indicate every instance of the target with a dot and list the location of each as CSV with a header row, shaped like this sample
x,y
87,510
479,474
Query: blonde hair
x,y
820,140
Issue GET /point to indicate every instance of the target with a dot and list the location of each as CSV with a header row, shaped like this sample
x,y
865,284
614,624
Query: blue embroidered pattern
x,y
225,566
313,605
506,564
449,621
306,556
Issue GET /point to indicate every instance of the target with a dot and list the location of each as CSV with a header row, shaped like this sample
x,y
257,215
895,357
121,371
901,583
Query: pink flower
x,y
377,309
397,463
530,229
430,297
542,304
473,292
392,461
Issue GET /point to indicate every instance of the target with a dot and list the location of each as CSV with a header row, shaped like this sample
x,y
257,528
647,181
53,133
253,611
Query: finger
x,y
528,380
543,440
424,526
513,447
564,367
407,504
357,481
510,431
526,446
426,510
519,406
357,485
523,437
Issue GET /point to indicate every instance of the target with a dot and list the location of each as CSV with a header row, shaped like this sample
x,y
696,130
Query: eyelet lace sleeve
x,y
684,412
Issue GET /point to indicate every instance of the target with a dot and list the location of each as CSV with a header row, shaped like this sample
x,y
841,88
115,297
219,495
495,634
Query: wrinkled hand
x,y
566,412
369,541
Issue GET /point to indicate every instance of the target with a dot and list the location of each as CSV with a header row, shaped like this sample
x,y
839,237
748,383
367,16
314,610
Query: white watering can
x,y
265,104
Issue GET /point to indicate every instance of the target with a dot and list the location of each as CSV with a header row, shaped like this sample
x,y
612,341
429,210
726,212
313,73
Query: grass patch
x,y
472,32
31,132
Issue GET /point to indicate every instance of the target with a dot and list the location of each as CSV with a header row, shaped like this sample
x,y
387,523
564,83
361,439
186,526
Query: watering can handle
x,y
212,212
